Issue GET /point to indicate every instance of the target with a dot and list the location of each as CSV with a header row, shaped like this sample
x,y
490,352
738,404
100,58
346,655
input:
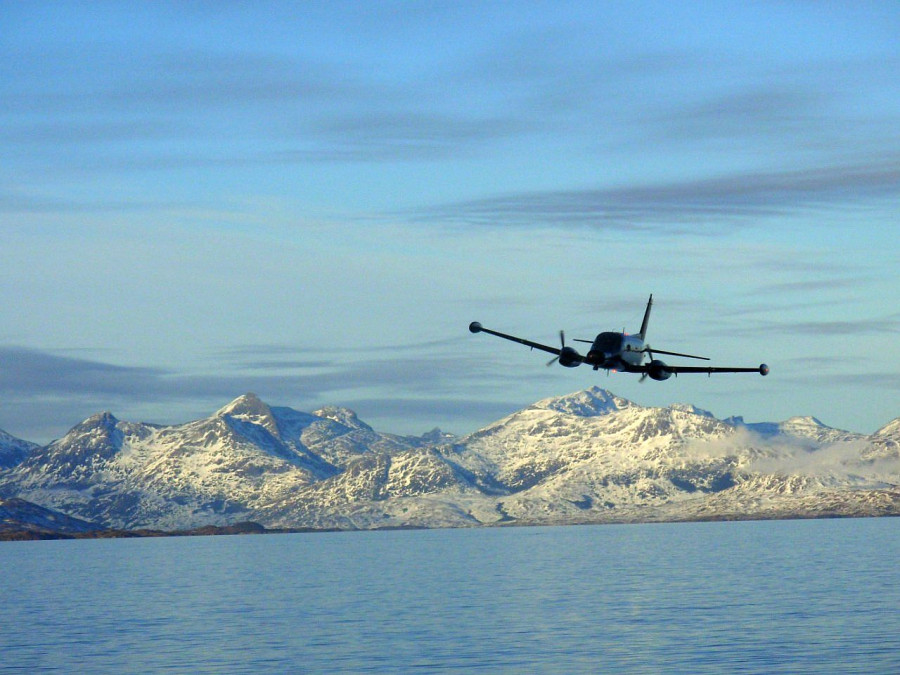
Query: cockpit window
x,y
609,343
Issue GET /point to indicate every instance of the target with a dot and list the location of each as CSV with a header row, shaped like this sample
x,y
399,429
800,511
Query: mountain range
x,y
587,457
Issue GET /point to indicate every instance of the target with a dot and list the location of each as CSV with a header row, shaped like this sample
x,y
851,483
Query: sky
x,y
311,201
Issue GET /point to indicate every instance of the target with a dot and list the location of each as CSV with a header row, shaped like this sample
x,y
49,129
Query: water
x,y
766,597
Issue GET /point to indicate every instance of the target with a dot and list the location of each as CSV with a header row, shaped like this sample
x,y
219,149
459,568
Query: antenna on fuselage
x,y
643,333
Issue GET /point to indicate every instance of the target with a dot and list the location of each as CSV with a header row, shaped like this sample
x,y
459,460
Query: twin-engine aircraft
x,y
620,352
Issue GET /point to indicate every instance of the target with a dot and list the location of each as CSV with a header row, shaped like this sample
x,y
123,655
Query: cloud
x,y
789,116
766,109
824,328
404,387
866,380
36,203
808,286
333,88
405,134
699,205
889,324
272,109
882,380
273,357
28,372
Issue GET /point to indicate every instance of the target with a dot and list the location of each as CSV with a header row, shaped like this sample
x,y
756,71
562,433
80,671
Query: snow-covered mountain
x,y
13,450
586,457
593,457
219,470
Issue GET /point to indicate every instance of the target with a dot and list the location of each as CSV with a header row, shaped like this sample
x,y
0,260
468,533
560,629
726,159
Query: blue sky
x,y
311,201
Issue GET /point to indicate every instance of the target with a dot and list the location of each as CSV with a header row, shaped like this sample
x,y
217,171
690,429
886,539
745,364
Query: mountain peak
x,y
103,420
694,410
13,450
251,408
341,415
592,402
803,423
890,429
247,405
437,436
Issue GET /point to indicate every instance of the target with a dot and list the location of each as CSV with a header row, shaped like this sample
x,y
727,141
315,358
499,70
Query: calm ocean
x,y
765,597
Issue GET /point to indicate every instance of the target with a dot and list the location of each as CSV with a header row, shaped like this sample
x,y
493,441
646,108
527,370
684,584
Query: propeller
x,y
562,340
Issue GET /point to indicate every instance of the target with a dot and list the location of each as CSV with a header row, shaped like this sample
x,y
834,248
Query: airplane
x,y
614,351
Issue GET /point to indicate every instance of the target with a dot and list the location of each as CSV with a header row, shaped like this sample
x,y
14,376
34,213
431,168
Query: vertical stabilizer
x,y
643,333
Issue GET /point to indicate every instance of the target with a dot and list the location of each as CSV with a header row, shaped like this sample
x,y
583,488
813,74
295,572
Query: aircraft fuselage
x,y
616,351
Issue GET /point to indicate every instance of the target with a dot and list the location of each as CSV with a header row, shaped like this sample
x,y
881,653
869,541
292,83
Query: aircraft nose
x,y
598,357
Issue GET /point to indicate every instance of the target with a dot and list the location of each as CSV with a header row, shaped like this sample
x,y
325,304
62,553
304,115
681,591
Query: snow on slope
x,y
608,435
216,470
592,456
586,457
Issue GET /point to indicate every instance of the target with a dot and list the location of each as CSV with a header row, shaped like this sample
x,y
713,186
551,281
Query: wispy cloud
x,y
29,372
815,285
45,393
286,110
889,324
37,203
828,380
699,205
162,105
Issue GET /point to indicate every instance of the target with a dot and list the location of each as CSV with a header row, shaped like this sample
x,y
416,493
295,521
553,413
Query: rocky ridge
x,y
587,457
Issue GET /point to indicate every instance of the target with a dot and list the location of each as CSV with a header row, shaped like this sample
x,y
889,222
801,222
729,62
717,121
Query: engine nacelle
x,y
569,358
657,370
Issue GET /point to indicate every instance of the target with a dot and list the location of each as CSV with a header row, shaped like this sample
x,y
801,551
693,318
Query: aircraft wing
x,y
476,327
762,369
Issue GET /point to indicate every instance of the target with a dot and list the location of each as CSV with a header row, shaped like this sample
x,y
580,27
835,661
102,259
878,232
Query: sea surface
x,y
763,597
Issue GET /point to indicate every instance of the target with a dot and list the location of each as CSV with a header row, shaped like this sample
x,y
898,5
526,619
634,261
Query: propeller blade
x,y
562,341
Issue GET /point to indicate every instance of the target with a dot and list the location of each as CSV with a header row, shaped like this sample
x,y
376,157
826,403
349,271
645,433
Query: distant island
x,y
24,533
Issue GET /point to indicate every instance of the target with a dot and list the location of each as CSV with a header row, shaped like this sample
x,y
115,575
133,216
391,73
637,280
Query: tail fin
x,y
643,333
